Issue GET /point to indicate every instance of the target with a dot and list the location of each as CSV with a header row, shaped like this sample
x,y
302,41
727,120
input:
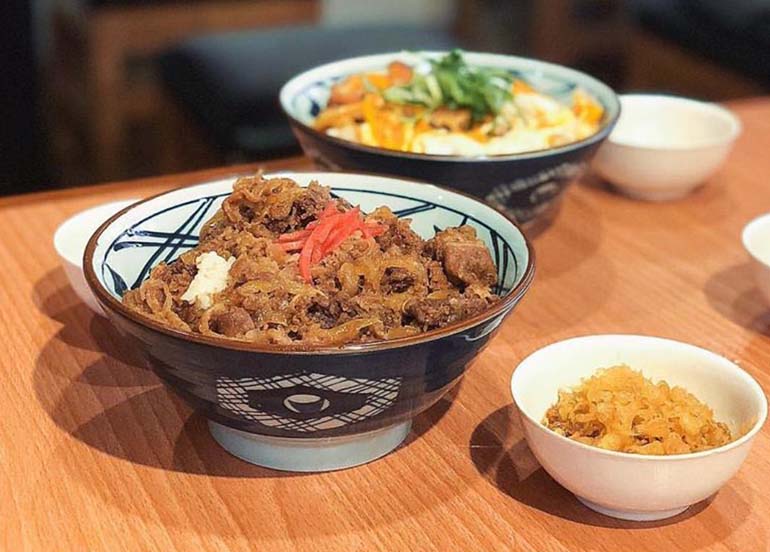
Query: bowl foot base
x,y
630,514
309,455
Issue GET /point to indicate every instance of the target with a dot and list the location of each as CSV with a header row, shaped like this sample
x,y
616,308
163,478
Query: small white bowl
x,y
70,241
663,147
633,486
756,240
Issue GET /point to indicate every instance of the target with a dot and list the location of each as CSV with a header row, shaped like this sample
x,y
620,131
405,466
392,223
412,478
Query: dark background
x,y
104,90
22,152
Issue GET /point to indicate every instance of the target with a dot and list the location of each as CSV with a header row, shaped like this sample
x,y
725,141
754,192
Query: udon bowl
x,y
527,186
317,409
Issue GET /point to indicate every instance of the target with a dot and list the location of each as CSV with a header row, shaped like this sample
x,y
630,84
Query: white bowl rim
x,y
597,137
713,108
740,372
751,227
65,227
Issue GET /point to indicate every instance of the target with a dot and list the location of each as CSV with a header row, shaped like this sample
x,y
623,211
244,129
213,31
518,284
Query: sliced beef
x,y
437,279
176,275
309,205
465,258
247,269
235,321
398,233
469,263
396,280
401,237
325,313
431,313
189,312
276,204
326,273
306,207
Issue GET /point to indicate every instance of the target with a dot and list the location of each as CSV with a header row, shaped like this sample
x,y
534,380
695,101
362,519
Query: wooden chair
x,y
101,86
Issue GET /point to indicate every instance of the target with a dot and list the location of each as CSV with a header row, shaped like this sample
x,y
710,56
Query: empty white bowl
x,y
70,241
756,240
663,147
633,486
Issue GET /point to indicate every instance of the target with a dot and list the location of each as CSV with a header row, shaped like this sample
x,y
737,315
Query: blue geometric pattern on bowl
x,y
165,228
323,404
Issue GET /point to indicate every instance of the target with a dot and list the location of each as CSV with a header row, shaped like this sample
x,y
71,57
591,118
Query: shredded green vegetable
x,y
454,84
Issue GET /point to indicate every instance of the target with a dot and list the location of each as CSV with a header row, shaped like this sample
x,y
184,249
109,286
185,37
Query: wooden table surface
x,y
95,454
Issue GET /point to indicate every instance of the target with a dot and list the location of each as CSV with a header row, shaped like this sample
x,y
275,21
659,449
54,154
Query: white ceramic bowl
x,y
756,240
70,241
634,486
663,147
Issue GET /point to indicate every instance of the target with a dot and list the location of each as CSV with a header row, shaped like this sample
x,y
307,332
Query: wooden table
x,y
96,455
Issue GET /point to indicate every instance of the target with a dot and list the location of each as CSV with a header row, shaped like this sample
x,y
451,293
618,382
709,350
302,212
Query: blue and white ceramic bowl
x,y
318,409
525,185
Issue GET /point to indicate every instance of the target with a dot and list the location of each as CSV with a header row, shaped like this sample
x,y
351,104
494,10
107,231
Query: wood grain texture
x,y
96,455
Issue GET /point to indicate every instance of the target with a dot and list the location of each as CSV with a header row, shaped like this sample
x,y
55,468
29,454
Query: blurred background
x,y
98,90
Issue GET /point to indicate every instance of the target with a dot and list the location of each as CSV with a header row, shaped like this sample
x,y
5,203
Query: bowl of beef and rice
x,y
309,316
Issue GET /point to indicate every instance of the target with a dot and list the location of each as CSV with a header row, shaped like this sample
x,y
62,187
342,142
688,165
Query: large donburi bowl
x,y
318,409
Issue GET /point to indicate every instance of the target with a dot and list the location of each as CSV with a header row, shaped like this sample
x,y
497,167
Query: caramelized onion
x,y
257,286
205,322
402,331
344,333
149,294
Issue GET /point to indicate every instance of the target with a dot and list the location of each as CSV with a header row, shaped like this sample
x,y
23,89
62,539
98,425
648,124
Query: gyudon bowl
x,y
526,184
306,408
